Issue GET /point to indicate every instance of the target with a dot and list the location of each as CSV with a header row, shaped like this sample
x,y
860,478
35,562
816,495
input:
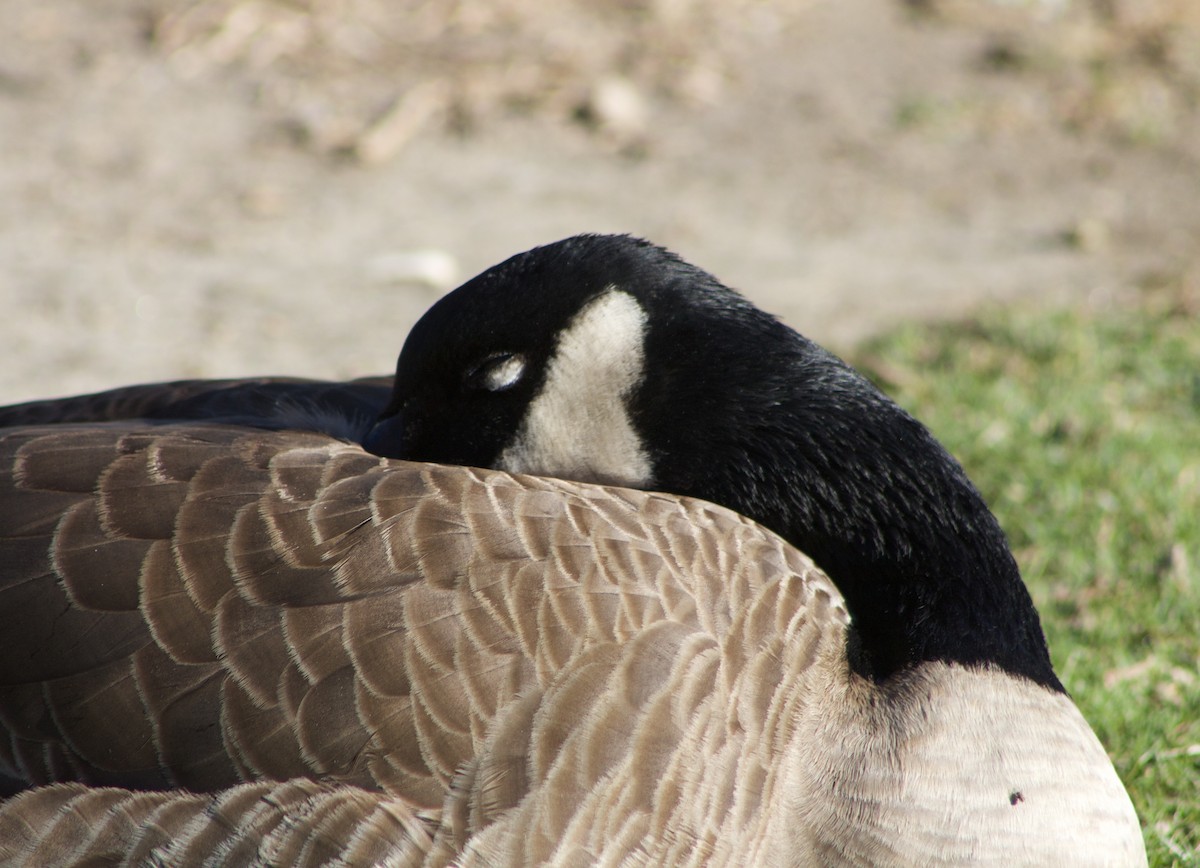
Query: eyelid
x,y
498,372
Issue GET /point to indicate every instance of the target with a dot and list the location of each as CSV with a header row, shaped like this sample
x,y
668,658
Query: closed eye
x,y
497,373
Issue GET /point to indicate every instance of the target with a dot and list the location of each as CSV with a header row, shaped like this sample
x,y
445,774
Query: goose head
x,y
608,359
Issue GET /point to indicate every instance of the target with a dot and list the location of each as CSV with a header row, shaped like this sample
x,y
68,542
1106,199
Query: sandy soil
x,y
244,187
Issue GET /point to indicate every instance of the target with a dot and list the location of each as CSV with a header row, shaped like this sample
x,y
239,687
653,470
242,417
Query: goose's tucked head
x,y
608,359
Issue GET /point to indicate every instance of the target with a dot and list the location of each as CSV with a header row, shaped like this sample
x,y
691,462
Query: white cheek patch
x,y
578,426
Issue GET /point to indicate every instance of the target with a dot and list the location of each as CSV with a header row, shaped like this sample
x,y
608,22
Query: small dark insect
x,y
1014,797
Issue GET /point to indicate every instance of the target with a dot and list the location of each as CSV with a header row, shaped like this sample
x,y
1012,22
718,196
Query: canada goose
x,y
484,668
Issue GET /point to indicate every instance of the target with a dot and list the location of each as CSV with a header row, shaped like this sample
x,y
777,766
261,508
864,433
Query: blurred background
x,y
992,207
228,187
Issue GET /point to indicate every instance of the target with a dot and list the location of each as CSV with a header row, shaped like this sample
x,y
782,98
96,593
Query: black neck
x,y
924,565
865,490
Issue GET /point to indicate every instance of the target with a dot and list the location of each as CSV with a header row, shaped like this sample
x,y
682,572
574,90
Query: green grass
x,y
1083,432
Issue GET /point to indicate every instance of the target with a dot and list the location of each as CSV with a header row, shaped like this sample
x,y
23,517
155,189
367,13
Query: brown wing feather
x,y
296,823
470,642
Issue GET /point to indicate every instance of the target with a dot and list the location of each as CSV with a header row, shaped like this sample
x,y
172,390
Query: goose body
x,y
252,640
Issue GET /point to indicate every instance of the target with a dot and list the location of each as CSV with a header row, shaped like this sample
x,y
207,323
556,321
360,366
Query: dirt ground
x,y
248,187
